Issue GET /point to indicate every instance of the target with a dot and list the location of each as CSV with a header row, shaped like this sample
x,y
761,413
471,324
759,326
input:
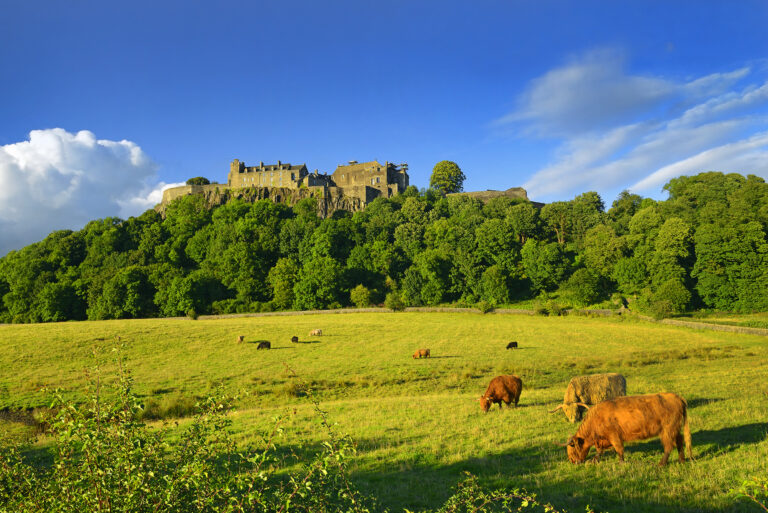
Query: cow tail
x,y
687,431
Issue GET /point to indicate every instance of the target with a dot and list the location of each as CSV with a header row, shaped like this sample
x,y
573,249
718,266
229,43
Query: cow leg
x,y
618,446
666,441
680,452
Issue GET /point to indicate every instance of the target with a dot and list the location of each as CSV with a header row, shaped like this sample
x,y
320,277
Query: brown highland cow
x,y
625,419
504,389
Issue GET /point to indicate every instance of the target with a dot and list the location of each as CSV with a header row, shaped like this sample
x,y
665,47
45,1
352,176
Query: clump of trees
x,y
704,247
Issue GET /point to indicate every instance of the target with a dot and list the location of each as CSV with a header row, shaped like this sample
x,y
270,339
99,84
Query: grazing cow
x,y
264,345
421,353
240,339
316,333
504,389
294,339
512,345
624,419
584,391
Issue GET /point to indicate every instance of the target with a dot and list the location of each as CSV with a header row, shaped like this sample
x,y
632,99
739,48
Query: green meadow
x,y
416,423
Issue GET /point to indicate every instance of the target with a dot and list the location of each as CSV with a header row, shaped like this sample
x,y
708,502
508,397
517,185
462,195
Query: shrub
x,y
555,308
585,287
192,314
539,308
484,306
674,292
393,302
360,296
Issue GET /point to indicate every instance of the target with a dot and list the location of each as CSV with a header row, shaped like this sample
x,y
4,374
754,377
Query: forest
x,y
704,247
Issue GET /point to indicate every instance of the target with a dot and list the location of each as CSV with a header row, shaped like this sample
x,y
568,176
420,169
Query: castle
x,y
350,187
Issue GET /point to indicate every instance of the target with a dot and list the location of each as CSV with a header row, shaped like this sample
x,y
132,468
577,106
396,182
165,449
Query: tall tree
x,y
447,177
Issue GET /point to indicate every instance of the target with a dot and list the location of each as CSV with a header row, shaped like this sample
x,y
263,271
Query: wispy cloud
x,y
60,180
619,130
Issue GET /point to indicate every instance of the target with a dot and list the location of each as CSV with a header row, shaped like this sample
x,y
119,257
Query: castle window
x,y
377,179
293,176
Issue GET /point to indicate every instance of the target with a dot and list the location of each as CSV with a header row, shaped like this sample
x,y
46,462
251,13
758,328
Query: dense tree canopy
x,y
705,246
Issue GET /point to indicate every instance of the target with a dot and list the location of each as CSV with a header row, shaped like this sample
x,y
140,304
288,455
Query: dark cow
x,y
504,389
264,345
294,339
512,345
421,353
624,419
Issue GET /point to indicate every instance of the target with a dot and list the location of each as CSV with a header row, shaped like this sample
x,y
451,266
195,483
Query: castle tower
x,y
235,168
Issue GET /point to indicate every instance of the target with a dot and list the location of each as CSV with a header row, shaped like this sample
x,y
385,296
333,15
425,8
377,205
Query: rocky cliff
x,y
329,199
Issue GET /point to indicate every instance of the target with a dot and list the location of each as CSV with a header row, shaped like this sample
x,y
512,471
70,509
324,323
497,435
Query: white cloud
x,y
619,130
747,156
60,180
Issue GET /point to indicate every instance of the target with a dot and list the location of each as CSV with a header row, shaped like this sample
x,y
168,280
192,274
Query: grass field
x,y
416,423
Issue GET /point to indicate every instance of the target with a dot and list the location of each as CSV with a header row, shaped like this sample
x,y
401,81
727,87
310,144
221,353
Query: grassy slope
x,y
416,422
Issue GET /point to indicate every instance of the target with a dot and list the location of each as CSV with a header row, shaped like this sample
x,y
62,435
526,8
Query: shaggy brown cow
x,y
512,345
502,389
316,333
264,345
624,419
294,339
421,353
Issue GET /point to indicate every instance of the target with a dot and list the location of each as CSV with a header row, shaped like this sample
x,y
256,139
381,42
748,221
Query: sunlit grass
x,y
417,424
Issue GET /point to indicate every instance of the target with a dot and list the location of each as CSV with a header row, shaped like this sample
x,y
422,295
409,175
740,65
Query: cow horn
x,y
582,404
558,408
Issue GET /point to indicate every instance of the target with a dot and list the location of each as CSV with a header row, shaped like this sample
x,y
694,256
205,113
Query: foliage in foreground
x,y
105,459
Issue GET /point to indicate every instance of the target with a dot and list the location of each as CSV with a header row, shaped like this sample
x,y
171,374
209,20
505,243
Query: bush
x,y
360,296
674,292
484,306
555,308
393,302
585,287
192,314
539,308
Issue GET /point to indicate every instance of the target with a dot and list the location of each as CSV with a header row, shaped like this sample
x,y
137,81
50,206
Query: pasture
x,y
417,424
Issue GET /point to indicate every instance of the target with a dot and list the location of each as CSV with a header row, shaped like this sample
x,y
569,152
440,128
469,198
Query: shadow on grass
x,y
701,401
418,485
447,356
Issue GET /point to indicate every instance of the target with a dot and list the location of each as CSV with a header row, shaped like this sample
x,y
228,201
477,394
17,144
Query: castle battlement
x,y
353,184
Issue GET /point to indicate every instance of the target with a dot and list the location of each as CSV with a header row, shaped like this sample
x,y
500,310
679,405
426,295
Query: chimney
x,y
261,164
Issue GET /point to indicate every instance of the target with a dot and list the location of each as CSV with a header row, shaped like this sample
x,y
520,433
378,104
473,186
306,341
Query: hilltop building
x,y
351,186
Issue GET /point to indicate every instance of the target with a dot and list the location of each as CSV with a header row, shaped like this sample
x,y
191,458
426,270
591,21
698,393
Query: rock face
x,y
329,199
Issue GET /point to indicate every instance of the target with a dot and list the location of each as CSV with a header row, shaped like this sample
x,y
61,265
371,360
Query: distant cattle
x,y
294,339
585,391
316,333
502,389
421,353
264,345
512,345
624,419
240,339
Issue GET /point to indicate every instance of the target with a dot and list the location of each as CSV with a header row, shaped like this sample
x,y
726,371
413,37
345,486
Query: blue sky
x,y
558,97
